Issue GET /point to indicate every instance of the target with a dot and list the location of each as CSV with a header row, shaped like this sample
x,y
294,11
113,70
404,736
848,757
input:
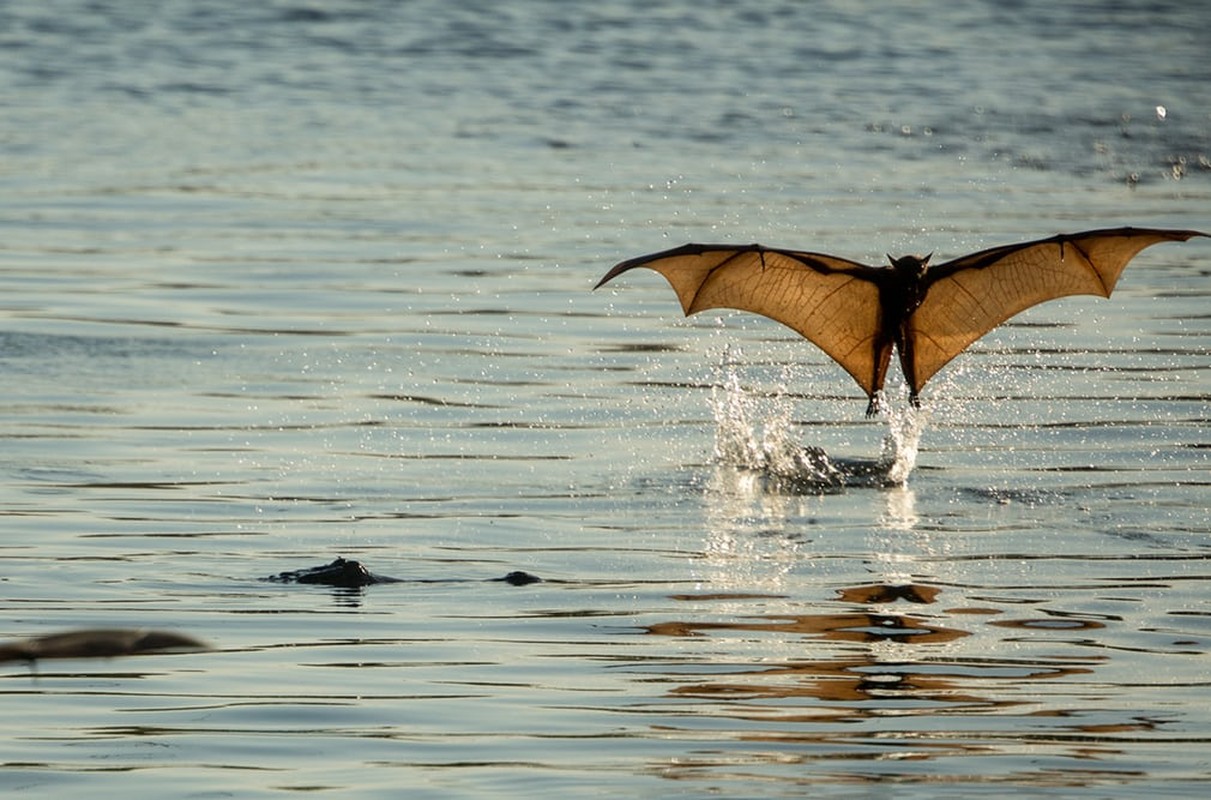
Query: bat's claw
x,y
878,404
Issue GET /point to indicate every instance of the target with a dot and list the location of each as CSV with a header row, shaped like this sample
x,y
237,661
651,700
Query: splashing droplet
x,y
754,433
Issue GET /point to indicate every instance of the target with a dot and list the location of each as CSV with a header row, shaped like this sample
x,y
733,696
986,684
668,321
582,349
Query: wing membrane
x,y
830,301
973,294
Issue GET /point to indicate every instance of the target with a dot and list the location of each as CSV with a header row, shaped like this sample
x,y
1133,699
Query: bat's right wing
x,y
830,301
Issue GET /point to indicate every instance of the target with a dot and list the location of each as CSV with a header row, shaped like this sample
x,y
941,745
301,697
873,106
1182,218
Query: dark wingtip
x,y
644,261
620,268
609,276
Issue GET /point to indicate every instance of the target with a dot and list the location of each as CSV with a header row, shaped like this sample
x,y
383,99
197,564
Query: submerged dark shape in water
x,y
341,572
351,574
812,471
98,643
858,314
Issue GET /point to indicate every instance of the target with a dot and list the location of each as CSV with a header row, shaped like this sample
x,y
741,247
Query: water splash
x,y
754,432
898,454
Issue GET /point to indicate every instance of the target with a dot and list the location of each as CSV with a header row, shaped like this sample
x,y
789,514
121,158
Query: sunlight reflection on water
x,y
282,284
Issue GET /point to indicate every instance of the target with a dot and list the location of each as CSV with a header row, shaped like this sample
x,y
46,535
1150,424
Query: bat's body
x,y
858,314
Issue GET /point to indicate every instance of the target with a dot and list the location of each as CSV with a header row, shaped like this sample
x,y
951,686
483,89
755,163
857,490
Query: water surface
x,y
286,281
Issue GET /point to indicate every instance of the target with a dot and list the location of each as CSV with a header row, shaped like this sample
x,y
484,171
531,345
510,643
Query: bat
x,y
858,314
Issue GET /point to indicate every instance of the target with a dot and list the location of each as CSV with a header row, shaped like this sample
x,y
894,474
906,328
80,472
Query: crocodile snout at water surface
x,y
351,574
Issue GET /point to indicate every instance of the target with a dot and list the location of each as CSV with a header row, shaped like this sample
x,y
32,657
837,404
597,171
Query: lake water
x,y
289,280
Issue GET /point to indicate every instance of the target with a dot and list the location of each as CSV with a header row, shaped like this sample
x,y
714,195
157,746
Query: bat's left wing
x,y
971,295
832,302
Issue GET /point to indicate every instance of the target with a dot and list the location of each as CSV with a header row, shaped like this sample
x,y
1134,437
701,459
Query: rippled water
x,y
284,281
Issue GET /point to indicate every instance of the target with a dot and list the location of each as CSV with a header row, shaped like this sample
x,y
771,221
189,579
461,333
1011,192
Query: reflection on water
x,y
901,685
949,652
863,627
284,281
899,509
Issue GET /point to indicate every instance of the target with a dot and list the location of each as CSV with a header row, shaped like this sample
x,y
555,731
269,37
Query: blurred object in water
x,y
98,643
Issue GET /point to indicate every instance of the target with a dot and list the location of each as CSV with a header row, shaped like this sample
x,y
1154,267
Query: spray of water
x,y
754,432
898,455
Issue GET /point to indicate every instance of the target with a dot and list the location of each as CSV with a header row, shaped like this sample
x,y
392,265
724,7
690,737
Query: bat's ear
x,y
925,260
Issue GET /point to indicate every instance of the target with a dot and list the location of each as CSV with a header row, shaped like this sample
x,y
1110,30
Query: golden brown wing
x,y
971,295
830,301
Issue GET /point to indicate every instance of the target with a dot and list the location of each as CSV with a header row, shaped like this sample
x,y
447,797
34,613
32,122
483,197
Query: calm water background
x,y
289,280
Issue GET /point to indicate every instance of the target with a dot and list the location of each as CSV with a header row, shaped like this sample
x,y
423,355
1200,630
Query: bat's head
x,y
914,266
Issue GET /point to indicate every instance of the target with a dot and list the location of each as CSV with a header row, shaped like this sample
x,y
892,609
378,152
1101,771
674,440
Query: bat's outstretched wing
x,y
971,295
830,301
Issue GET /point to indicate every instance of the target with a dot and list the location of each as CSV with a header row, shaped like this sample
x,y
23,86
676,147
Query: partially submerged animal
x,y
341,572
351,574
98,643
109,642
